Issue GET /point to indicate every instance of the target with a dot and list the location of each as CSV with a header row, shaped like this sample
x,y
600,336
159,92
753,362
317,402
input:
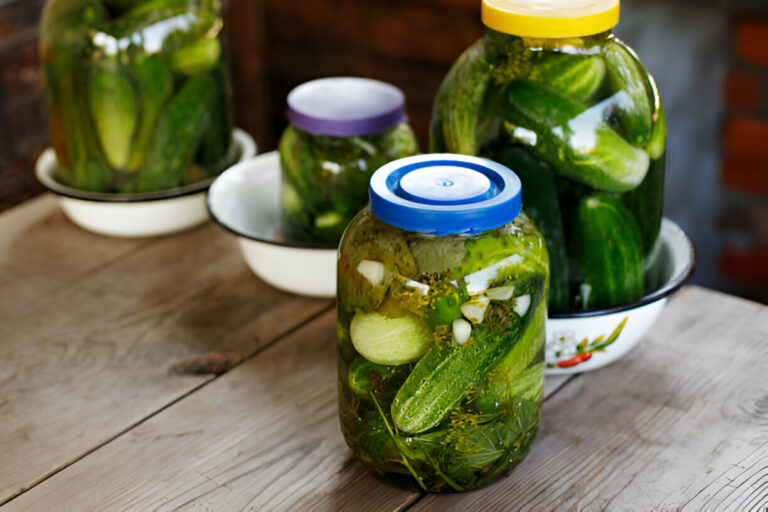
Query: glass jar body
x,y
324,179
441,349
138,93
581,123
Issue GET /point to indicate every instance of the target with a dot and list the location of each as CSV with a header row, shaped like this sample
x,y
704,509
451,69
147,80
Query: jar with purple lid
x,y
341,130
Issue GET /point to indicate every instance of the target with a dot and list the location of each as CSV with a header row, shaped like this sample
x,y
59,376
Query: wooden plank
x,y
42,253
117,342
263,437
680,422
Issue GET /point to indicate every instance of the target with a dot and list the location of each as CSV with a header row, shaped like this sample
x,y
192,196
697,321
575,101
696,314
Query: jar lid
x,y
550,18
346,106
445,194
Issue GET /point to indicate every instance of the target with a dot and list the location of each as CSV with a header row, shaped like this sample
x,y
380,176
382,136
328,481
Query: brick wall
x,y
743,264
22,116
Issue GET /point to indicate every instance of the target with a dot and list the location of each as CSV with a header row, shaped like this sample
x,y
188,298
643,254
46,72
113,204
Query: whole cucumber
x,y
217,149
605,243
458,103
576,76
154,82
445,373
177,137
113,106
574,141
624,75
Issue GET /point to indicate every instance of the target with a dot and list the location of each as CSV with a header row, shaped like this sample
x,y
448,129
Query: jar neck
x,y
553,44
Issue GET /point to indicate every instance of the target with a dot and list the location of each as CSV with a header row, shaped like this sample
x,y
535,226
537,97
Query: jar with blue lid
x,y
341,130
442,286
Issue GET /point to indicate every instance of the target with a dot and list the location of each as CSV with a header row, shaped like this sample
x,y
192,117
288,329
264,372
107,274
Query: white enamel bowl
x,y
245,200
135,215
586,341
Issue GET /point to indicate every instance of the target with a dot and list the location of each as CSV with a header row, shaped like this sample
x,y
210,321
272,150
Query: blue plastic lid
x,y
346,106
445,194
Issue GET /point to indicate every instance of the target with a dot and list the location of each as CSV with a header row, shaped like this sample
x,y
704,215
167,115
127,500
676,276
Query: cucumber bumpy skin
x,y
605,242
574,141
176,138
443,375
624,75
576,76
458,103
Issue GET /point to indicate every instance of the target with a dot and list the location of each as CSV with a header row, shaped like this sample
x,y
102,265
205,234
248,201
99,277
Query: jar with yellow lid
x,y
550,92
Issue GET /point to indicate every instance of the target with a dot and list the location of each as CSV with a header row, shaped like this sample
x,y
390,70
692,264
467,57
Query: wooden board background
x,y
91,329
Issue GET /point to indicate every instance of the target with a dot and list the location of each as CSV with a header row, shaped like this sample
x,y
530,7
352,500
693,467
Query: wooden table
x,y
161,375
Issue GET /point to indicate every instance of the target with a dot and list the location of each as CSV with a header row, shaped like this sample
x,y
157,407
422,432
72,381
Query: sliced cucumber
x,y
391,341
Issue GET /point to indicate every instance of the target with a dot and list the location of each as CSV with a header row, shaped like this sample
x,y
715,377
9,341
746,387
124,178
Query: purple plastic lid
x,y
346,106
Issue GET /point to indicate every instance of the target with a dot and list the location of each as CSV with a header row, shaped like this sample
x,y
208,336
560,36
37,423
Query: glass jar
x,y
341,131
138,93
553,94
442,286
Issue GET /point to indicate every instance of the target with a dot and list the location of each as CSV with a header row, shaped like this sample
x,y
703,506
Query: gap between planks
x,y
175,401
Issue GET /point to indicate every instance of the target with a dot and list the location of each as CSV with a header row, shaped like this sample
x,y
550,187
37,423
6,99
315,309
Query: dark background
x,y
710,59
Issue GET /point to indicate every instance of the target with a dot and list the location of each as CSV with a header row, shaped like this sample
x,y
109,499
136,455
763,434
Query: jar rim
x,y
445,194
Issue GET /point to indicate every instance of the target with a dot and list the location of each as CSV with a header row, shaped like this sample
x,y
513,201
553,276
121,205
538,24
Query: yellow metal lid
x,y
550,18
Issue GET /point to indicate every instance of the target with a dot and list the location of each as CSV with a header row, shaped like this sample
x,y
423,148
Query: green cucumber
x,y
458,103
574,141
81,162
576,76
389,341
646,203
540,200
217,148
197,57
626,74
605,243
445,373
154,82
658,142
526,351
113,106
177,136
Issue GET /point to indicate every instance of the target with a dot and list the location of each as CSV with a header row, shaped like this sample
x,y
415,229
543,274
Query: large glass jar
x,y
342,129
553,94
138,93
442,287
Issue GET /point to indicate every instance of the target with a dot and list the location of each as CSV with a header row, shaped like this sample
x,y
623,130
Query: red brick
x,y
746,138
752,42
748,175
749,266
742,91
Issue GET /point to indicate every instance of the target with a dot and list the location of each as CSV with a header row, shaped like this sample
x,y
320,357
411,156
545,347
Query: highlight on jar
x,y
442,286
551,93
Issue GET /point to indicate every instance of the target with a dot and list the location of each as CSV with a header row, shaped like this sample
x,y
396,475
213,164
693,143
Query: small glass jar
x,y
138,93
341,131
553,94
442,286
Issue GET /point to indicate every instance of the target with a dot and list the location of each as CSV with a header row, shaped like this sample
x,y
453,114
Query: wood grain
x,y
42,254
92,326
679,423
263,437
